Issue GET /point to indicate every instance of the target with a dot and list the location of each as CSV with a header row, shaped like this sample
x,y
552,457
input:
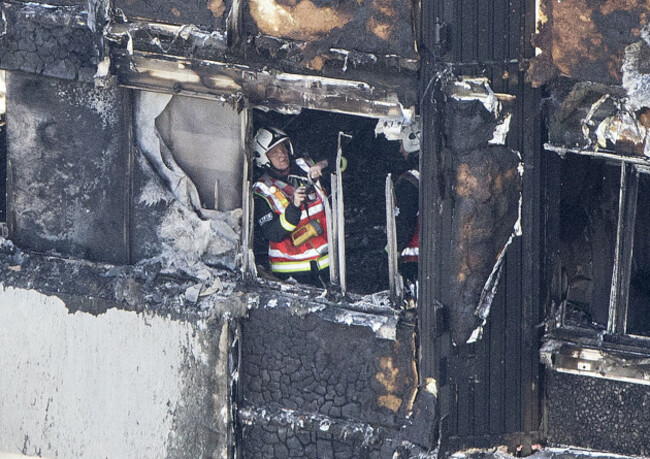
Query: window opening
x,y
604,245
370,159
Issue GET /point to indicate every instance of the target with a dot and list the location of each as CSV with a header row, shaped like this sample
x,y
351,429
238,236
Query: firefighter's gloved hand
x,y
299,196
316,170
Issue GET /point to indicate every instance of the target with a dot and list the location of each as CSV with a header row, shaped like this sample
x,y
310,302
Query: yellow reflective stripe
x,y
324,262
285,224
299,266
290,267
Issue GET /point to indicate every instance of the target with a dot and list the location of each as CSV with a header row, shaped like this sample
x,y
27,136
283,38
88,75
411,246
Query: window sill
x,y
597,359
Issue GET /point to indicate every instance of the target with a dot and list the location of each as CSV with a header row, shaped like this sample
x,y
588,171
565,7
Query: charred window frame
x,y
352,136
633,174
610,338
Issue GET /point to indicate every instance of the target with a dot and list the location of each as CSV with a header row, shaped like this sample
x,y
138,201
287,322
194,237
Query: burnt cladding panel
x,y
316,366
67,167
206,14
376,26
496,381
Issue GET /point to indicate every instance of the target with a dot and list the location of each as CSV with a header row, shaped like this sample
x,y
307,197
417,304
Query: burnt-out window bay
x,y
368,160
605,245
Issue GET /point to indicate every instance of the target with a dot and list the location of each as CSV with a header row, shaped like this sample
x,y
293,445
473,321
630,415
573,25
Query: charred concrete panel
x,y
68,167
207,14
586,39
327,383
598,414
378,26
307,363
58,41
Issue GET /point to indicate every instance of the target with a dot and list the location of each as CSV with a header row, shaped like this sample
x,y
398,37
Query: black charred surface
x,y
586,40
485,189
323,367
208,14
95,288
282,440
56,42
312,366
598,414
568,105
68,164
382,27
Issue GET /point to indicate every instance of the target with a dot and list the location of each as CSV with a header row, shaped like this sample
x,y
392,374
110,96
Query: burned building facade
x,y
138,319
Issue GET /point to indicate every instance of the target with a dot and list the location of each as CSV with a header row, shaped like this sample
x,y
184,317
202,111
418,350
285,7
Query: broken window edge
x,y
591,361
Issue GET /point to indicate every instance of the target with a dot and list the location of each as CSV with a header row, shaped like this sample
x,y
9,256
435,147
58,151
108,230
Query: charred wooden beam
x,y
232,83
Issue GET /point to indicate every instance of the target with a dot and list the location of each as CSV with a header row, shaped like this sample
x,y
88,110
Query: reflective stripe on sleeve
x,y
285,224
299,266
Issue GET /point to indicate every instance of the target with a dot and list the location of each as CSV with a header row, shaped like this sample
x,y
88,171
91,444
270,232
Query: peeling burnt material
x,y
282,91
485,189
58,41
209,14
293,434
586,39
378,26
95,288
314,387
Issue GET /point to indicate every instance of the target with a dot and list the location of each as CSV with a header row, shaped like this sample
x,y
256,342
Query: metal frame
x,y
631,169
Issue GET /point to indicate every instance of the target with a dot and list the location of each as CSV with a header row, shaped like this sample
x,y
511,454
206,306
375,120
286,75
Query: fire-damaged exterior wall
x,y
312,388
127,119
488,377
60,131
593,61
87,373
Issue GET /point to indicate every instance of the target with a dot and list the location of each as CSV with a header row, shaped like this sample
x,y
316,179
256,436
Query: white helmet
x,y
266,139
411,136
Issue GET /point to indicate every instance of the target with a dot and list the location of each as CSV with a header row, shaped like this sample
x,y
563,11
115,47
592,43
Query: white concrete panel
x,y
85,386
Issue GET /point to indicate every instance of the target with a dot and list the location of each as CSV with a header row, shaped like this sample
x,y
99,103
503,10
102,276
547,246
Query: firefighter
x,y
407,195
289,209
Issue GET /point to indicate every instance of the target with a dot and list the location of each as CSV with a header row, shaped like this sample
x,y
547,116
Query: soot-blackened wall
x,y
312,385
68,161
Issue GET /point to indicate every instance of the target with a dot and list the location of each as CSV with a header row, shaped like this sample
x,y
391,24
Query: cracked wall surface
x,y
59,43
598,414
312,387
